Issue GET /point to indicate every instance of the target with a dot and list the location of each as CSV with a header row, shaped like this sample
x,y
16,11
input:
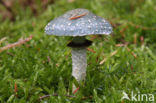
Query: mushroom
x,y
78,23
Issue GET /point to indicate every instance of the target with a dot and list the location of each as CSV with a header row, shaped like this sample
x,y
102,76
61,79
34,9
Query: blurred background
x,y
127,17
10,9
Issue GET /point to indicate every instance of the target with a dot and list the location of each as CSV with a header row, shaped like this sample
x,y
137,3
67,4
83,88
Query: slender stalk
x,y
79,64
79,46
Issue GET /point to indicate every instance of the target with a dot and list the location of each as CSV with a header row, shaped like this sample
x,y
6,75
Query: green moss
x,y
36,75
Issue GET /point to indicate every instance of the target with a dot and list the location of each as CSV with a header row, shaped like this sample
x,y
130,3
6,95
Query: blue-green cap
x,y
78,22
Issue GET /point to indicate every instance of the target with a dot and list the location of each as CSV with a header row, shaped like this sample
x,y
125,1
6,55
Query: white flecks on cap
x,y
78,22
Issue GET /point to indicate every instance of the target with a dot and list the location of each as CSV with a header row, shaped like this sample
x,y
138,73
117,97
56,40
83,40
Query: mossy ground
x,y
43,65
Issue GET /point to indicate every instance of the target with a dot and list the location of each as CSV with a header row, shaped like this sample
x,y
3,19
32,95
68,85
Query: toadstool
x,y
78,23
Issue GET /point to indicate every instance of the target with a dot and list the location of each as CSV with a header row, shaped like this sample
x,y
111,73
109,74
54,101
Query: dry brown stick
x,y
142,40
91,50
115,21
46,96
71,96
76,17
87,97
112,54
121,45
132,53
20,42
3,39
122,31
49,59
16,90
135,39
142,27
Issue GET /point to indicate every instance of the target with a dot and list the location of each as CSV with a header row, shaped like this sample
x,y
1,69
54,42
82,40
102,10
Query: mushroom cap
x,y
78,22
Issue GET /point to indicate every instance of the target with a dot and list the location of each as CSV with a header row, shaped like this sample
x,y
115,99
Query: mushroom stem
x,y
79,40
79,64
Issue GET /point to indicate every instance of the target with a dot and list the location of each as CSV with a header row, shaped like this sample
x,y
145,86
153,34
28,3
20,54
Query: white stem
x,y
79,63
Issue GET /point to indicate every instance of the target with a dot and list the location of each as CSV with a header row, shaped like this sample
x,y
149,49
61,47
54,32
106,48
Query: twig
x,y
20,42
86,97
71,96
16,89
91,50
76,17
3,39
112,54
142,40
76,90
46,96
133,54
135,39
122,31
49,59
11,54
142,27
125,45
121,45
132,24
